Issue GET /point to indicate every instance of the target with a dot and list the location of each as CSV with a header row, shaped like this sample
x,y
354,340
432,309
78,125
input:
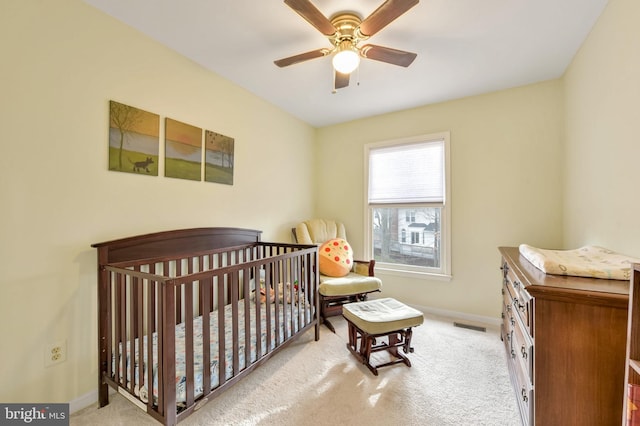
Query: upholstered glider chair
x,y
356,279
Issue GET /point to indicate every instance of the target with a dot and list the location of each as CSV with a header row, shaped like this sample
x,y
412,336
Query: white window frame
x,y
444,272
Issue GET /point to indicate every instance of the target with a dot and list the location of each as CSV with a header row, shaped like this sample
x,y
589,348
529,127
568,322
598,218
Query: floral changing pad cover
x,y
587,261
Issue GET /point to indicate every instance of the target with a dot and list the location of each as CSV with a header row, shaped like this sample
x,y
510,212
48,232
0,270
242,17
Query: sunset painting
x,y
218,158
183,150
134,139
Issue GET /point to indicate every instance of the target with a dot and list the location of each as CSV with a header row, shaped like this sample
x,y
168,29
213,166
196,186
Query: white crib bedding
x,y
587,261
181,380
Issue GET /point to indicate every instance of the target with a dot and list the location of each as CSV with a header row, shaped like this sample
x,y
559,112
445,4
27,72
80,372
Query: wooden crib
x,y
192,298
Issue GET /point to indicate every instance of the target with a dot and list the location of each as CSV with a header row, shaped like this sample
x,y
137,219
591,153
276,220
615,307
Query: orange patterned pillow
x,y
336,258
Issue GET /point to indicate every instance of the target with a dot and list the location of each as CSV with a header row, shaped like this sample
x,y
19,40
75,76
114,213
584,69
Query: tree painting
x,y
134,139
219,158
183,150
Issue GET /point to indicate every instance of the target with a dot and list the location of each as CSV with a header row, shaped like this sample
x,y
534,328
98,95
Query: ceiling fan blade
x,y
388,55
285,62
384,15
340,80
308,11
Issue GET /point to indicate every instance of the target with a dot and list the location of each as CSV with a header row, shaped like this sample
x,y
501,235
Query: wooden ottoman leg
x,y
407,341
352,345
393,344
367,343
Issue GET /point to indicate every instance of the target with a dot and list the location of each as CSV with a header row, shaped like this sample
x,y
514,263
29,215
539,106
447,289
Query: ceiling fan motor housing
x,y
346,25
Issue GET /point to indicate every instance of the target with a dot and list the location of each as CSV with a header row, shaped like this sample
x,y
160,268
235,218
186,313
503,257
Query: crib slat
x,y
246,273
290,296
140,331
178,266
132,288
120,365
188,342
268,292
151,329
222,362
153,301
113,327
168,387
151,291
233,284
296,292
161,370
205,296
276,288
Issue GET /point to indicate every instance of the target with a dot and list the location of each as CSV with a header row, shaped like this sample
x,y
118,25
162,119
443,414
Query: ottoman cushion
x,y
381,316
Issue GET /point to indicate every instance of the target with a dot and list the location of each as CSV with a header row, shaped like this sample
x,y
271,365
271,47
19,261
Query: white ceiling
x,y
464,47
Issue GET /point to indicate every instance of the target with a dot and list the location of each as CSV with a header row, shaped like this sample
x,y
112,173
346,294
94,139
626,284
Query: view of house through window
x,y
407,204
398,240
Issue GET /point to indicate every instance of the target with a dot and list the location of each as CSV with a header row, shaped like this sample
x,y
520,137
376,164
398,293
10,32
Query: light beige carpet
x,y
458,377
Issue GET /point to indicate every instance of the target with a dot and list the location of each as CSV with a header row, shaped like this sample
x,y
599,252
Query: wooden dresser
x,y
631,413
565,339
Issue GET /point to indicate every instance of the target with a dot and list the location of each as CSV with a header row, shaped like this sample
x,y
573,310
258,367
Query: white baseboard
x,y
85,400
454,315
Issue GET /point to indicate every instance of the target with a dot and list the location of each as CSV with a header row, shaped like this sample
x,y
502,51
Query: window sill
x,y
413,274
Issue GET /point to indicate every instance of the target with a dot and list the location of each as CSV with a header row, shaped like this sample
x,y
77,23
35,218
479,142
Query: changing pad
x,y
588,261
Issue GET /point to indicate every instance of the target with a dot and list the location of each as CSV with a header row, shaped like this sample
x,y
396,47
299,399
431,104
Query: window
x,y
415,238
411,216
408,205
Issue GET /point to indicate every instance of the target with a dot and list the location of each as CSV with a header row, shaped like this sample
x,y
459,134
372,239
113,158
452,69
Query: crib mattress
x,y
181,379
587,261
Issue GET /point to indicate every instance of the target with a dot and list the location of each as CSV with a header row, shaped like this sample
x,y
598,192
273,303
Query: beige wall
x,y
506,158
602,88
62,61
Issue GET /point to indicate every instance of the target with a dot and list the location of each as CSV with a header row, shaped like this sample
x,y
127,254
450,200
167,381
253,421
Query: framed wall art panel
x,y
219,158
183,150
134,139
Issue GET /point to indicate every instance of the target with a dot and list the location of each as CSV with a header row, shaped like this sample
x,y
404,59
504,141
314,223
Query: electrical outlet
x,y
55,353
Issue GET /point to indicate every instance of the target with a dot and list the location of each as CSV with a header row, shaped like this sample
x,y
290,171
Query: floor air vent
x,y
469,326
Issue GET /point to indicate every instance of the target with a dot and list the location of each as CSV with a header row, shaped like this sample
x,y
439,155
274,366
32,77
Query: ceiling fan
x,y
345,30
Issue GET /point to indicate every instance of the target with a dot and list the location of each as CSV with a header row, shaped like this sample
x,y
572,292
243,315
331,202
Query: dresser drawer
x,y
507,305
506,328
520,298
524,392
522,349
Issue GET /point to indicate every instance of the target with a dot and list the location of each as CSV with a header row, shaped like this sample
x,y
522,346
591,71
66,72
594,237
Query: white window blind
x,y
412,173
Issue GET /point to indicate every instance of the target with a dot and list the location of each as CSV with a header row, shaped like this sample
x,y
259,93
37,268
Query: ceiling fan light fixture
x,y
346,59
